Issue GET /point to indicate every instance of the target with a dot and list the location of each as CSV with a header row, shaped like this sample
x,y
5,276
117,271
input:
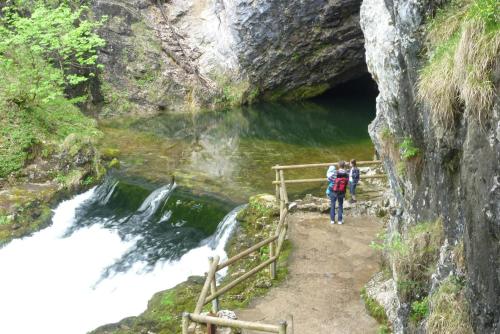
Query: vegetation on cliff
x,y
463,42
47,53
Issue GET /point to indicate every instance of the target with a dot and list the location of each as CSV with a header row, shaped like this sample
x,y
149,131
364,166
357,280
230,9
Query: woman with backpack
x,y
336,191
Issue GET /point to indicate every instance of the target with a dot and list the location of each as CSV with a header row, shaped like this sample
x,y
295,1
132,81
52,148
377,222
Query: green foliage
x,y
414,257
384,329
43,51
463,41
4,220
29,45
408,149
89,180
419,310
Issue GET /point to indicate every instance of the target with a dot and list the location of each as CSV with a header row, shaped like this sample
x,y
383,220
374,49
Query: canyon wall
x,y
455,176
183,55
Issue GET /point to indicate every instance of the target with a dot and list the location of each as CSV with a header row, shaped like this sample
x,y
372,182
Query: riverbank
x,y
163,314
55,172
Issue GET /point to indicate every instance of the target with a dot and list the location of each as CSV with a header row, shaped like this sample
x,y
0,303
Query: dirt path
x,y
328,267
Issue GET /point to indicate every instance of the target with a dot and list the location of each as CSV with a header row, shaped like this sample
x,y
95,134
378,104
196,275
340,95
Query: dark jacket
x,y
355,174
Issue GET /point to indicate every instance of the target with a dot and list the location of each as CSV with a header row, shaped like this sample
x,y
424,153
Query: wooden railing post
x,y
206,286
272,266
185,323
283,186
213,287
282,327
277,184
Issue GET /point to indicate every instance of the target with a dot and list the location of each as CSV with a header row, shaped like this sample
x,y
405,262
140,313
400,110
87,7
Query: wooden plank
x,y
240,279
323,179
277,185
235,323
283,187
213,289
281,239
283,326
326,164
246,252
185,323
206,286
272,266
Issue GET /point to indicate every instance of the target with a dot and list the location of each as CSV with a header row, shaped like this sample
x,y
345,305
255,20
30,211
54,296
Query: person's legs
x,y
341,208
333,199
352,189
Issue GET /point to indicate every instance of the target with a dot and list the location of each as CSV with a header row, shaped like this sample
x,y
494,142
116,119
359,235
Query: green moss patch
x,y
377,311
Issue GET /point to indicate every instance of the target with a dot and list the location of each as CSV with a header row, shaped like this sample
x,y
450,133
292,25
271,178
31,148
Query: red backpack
x,y
340,184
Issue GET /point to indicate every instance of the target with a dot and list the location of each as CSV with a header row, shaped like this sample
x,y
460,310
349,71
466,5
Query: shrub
x,y
44,50
449,311
414,257
419,310
463,41
408,149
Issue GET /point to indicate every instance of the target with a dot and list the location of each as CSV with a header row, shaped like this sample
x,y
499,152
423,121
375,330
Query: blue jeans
x,y
334,197
352,188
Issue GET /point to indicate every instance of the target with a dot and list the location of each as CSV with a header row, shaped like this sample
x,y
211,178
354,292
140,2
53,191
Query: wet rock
x,y
263,283
182,55
384,291
438,182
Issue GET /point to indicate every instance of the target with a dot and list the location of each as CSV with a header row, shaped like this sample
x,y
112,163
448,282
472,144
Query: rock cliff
x,y
182,55
455,175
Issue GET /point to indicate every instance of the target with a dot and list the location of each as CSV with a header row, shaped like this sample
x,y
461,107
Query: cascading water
x,y
96,264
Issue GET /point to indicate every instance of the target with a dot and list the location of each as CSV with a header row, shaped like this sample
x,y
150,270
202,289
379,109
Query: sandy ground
x,y
328,267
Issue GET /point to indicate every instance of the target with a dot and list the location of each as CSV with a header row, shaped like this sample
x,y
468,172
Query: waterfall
x,y
53,282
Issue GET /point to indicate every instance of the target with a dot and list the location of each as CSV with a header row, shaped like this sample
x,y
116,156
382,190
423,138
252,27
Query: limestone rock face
x,y
456,174
182,55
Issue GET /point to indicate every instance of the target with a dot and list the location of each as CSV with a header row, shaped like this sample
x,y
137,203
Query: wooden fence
x,y
210,292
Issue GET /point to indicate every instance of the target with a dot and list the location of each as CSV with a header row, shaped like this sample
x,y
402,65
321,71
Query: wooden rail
x,y
275,243
326,164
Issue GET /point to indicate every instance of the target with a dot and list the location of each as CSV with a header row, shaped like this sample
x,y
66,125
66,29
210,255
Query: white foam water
x,y
51,284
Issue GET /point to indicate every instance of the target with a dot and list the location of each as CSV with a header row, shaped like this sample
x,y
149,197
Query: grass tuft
x,y
449,309
463,41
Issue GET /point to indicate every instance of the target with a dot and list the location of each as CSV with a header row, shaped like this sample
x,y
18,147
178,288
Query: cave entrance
x,y
362,87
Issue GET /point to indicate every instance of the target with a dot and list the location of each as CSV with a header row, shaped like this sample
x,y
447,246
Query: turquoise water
x,y
229,154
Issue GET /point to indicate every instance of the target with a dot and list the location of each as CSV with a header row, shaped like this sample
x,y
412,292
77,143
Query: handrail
x,y
281,329
375,176
275,243
246,252
325,164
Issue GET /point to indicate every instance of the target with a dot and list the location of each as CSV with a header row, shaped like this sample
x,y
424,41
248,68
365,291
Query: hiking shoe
x,y
332,222
340,222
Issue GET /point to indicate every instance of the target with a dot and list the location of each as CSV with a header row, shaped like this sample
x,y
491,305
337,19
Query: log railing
x,y
211,292
280,169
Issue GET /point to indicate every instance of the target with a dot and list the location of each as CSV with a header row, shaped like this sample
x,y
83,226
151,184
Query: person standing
x,y
353,180
337,193
331,174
